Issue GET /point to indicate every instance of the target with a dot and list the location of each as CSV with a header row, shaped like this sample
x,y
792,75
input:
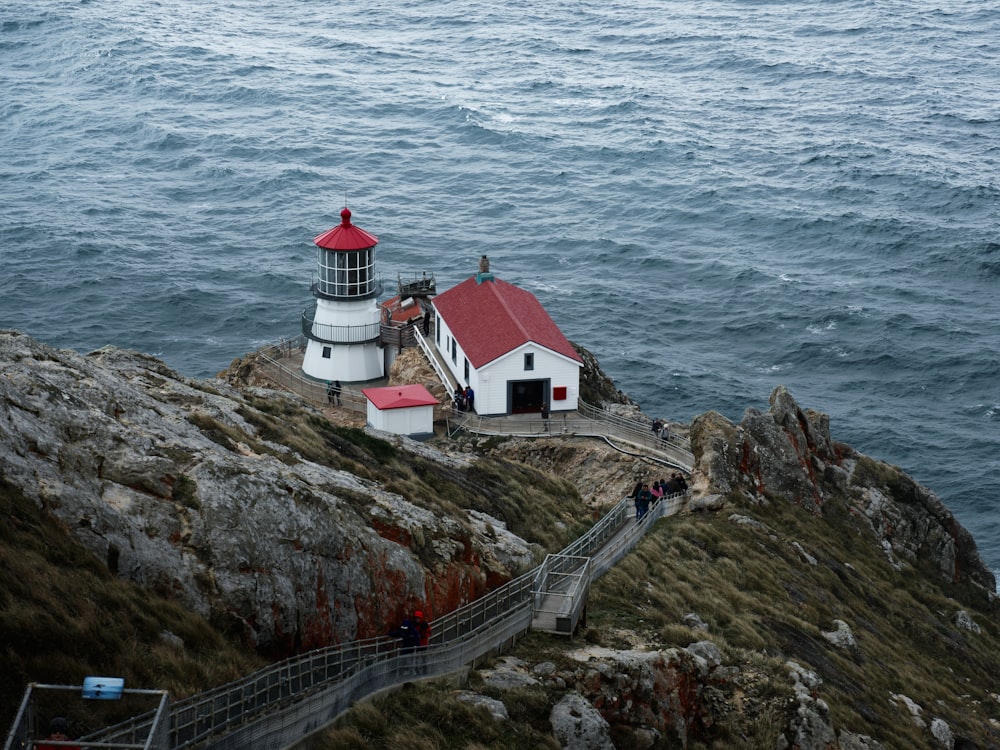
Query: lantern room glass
x,y
346,273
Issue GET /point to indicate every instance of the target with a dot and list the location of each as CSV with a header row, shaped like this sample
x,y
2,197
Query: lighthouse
x,y
344,323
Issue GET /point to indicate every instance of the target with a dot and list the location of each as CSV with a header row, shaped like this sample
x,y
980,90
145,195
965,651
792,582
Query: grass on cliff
x,y
63,616
536,506
759,593
429,716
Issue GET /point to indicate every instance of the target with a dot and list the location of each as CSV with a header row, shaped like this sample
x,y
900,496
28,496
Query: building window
x,y
327,351
529,361
466,370
454,351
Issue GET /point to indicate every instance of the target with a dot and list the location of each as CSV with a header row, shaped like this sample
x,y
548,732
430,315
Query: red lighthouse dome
x,y
346,236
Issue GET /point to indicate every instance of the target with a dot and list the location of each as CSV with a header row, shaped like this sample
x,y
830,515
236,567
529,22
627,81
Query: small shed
x,y
402,409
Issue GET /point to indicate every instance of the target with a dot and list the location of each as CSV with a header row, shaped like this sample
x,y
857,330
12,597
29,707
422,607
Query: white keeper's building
x,y
498,339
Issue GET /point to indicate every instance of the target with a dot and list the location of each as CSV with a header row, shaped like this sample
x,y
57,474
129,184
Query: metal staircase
x,y
276,707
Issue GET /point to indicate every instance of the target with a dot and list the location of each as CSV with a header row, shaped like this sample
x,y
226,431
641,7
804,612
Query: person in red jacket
x,y
58,732
424,637
423,628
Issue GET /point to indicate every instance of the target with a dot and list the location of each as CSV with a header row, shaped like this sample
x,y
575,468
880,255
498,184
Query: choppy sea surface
x,y
714,197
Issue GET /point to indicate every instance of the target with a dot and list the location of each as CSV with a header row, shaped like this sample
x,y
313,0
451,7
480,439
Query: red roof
x,y
492,318
399,314
346,236
399,396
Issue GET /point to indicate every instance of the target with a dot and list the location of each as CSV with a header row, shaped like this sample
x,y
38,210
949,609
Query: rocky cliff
x,y
186,488
787,455
812,597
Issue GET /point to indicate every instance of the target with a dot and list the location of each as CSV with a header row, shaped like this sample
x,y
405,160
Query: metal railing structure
x,y
331,334
422,285
294,381
447,381
147,729
640,432
562,584
591,422
281,704
342,288
561,593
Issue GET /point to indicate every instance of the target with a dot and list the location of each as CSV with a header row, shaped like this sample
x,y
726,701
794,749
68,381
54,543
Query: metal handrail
x,y
295,382
634,426
435,364
474,629
280,704
373,286
594,426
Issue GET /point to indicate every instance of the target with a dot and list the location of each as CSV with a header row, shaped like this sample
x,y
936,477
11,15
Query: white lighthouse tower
x,y
344,323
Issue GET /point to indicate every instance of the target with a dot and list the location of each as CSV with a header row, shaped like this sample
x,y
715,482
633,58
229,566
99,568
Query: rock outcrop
x,y
787,455
174,483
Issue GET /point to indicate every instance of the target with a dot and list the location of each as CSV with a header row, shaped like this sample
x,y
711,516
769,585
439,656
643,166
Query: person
x,y
423,629
409,638
58,731
545,415
680,482
329,391
657,426
336,391
459,399
423,638
470,398
634,494
657,491
642,502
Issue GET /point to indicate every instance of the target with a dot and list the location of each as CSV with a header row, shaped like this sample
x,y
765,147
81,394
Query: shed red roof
x,y
492,318
346,236
399,396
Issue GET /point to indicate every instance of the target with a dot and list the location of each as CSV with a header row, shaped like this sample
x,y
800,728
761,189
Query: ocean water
x,y
715,197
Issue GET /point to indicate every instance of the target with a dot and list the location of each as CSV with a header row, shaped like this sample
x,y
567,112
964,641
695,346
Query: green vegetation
x,y
430,716
764,604
64,616
534,505
758,595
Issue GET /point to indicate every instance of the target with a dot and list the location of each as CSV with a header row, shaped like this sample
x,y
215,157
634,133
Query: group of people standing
x,y
645,496
414,634
465,400
660,429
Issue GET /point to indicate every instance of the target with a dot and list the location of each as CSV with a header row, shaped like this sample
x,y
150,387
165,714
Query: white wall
x,y
348,362
457,368
490,383
491,398
411,420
